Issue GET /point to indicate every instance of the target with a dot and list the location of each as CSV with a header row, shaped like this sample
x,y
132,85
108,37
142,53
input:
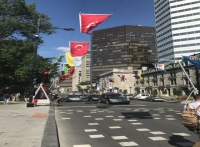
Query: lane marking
x,y
121,116
133,120
92,124
93,112
70,110
109,116
99,119
157,138
96,136
62,112
143,129
86,116
114,127
131,143
117,119
66,118
157,133
136,123
156,118
170,118
119,137
155,114
90,130
84,145
70,113
181,134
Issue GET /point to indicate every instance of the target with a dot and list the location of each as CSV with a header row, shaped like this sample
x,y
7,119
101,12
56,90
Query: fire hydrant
x,y
35,102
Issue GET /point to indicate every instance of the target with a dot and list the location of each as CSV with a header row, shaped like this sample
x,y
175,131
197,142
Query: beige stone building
x,y
76,79
117,80
166,82
85,68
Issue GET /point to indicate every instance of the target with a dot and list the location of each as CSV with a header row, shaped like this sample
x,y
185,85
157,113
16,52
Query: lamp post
x,y
130,89
30,104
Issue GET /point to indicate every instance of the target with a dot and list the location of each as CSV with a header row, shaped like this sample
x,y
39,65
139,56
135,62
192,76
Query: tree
x,y
154,92
178,91
18,24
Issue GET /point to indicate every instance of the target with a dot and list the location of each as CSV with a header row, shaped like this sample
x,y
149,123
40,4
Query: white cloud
x,y
63,49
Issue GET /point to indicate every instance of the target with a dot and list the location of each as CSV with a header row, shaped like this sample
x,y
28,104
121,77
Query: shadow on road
x,y
139,115
179,141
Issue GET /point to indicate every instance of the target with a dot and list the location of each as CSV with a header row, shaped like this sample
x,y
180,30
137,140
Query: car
x,y
71,98
142,96
84,96
114,99
154,99
149,98
93,97
134,96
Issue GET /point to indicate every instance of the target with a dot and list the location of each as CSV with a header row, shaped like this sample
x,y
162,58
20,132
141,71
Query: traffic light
x,y
35,76
46,76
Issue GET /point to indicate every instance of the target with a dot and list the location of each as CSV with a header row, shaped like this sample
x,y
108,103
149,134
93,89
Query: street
x,y
144,124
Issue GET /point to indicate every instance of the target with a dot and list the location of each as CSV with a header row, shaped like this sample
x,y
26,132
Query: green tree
x,y
178,91
18,24
154,92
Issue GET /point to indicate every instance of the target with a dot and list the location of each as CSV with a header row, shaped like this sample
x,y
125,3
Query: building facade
x,y
76,79
122,47
117,80
177,28
85,67
166,83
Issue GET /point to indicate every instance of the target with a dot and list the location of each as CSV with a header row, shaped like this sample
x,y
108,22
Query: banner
x,y
78,48
91,21
69,59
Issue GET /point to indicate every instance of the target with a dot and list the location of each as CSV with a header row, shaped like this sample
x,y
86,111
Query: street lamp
x,y
30,104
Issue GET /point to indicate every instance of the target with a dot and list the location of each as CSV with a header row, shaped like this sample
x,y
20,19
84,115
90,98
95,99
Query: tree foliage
x,y
18,26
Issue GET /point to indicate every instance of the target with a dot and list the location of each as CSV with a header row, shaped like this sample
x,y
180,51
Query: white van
x,y
142,96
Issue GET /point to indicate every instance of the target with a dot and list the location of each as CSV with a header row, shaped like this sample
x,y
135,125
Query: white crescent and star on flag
x,y
78,47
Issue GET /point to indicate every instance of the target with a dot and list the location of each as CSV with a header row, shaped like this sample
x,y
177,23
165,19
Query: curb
x,y
50,136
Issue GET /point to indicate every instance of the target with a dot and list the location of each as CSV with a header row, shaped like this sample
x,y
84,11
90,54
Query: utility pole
x,y
197,75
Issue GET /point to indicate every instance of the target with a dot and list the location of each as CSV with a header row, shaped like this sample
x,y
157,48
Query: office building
x,y
122,47
177,28
76,79
85,68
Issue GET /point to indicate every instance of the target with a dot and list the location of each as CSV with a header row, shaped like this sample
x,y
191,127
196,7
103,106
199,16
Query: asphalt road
x,y
143,124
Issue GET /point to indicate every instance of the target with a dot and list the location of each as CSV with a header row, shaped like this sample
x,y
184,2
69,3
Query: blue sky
x,y
64,14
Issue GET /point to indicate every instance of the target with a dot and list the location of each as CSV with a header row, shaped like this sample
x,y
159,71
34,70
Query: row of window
x,y
160,3
186,33
184,10
163,56
164,38
187,51
162,12
166,49
165,44
164,33
185,21
163,23
187,45
161,8
186,4
187,15
176,1
186,39
186,27
164,17
163,28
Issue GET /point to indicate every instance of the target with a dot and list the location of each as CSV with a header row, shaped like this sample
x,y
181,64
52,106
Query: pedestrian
x,y
13,97
17,96
26,97
195,105
6,98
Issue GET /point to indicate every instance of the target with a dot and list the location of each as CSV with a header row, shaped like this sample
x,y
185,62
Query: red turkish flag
x,y
91,21
71,70
78,48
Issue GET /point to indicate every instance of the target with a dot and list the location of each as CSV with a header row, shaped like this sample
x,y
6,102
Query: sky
x,y
65,14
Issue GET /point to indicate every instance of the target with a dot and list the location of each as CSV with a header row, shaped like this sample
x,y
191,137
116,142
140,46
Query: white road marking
x,y
146,110
136,123
93,112
121,116
155,114
157,132
99,119
100,111
114,127
178,113
66,118
170,118
117,119
86,116
70,113
96,136
157,138
131,143
185,144
119,137
156,118
84,145
109,116
132,120
181,134
79,111
62,112
92,124
90,130
143,129
70,110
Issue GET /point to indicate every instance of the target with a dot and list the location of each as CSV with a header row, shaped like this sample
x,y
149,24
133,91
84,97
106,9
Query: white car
x,y
141,96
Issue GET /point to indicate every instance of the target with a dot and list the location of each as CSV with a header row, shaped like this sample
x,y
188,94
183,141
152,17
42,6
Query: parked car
x,y
154,99
93,97
114,99
134,96
142,96
71,98
129,96
84,96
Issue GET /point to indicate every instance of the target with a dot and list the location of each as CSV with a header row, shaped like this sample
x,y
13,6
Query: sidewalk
x,y
22,126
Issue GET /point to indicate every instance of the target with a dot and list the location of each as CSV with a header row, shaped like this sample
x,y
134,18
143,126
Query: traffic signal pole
x,y
34,78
